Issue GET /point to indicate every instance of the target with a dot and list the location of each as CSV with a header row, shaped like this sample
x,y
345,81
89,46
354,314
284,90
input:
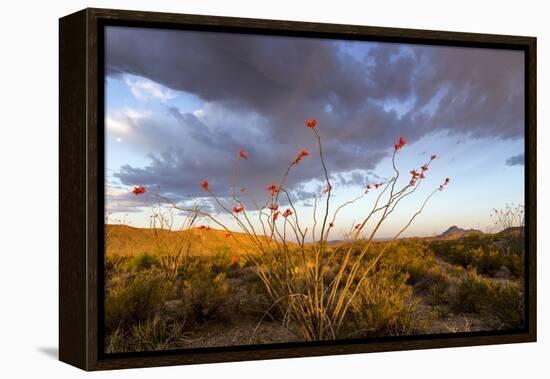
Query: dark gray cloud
x,y
516,160
258,90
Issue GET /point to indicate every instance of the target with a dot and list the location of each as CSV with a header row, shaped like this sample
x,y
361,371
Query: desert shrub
x,y
134,299
413,257
454,252
433,277
487,261
296,286
507,306
118,341
204,294
113,262
516,264
438,293
479,253
221,259
385,306
154,333
144,261
157,334
472,293
502,304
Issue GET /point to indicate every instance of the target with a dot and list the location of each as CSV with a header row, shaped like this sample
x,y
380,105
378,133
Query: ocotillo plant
x,y
293,271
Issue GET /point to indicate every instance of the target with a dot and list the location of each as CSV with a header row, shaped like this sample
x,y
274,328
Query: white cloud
x,y
144,89
122,123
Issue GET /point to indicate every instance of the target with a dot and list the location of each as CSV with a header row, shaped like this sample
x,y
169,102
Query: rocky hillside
x,y
127,240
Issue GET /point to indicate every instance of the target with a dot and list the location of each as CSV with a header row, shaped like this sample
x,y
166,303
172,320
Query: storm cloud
x,y
257,90
516,160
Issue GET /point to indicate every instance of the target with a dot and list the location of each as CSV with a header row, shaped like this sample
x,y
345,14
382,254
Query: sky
x,y
180,105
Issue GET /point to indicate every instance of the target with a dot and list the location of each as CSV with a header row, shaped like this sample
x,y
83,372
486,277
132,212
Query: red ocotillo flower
x,y
243,189
304,153
273,207
399,145
447,180
275,215
204,185
433,157
331,225
369,187
311,123
139,190
234,259
402,141
287,213
422,176
414,173
272,188
424,167
243,155
378,185
238,209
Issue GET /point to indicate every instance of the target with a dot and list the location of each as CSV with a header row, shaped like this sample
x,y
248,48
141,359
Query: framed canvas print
x,y
237,189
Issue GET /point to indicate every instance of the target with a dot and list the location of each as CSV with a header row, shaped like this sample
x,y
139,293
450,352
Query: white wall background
x,y
29,177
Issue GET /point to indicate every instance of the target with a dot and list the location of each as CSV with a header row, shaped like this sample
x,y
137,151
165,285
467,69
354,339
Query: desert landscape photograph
x,y
269,189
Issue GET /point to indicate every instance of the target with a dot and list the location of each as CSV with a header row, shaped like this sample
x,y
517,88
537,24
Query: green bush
x,y
500,304
157,334
479,253
472,294
134,299
204,294
154,333
385,306
507,305
144,261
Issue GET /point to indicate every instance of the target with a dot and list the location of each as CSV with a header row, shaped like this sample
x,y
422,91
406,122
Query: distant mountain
x,y
454,232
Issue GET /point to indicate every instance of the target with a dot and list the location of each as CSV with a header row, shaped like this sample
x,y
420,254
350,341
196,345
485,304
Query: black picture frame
x,y
81,182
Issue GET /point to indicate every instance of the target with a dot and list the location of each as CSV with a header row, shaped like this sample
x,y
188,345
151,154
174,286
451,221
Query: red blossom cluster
x,y
273,207
375,185
400,144
234,259
272,188
276,215
304,153
311,123
204,185
238,209
243,155
287,213
139,190
441,186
